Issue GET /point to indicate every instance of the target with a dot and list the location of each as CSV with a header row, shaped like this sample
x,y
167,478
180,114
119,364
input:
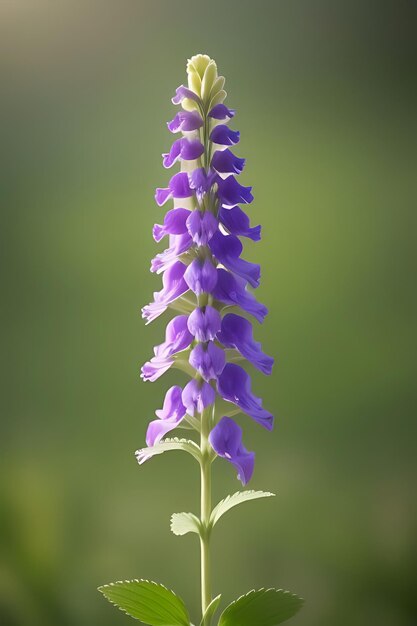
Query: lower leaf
x,y
265,607
147,601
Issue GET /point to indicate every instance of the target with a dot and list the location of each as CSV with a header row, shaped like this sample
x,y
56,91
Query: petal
x,y
236,332
191,149
201,181
174,224
183,92
224,136
227,249
225,162
169,416
204,323
162,195
155,368
231,192
187,149
237,223
221,112
197,396
179,186
174,286
209,360
173,155
201,277
157,429
181,243
177,338
185,121
201,226
226,441
231,289
173,408
234,385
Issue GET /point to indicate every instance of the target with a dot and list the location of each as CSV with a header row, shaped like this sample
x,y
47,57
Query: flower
x,y
226,441
234,385
169,416
236,332
177,338
204,274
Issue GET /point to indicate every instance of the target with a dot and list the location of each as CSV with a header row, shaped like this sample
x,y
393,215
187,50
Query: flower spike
x,y
209,284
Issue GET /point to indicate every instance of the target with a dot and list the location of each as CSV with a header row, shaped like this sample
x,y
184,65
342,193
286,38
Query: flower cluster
x,y
205,279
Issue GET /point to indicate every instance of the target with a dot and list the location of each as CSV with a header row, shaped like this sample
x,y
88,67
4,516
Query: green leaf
x,y
183,523
210,611
147,601
166,445
237,498
266,607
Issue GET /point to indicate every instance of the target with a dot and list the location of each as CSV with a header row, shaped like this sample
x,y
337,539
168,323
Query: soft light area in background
x,y
325,93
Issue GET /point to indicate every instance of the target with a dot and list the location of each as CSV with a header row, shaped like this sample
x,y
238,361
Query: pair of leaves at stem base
x,y
155,605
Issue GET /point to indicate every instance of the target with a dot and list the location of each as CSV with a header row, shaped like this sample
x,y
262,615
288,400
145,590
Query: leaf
x,y
266,607
210,611
237,498
166,445
147,601
183,523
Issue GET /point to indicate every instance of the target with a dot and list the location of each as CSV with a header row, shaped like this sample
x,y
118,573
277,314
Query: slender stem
x,y
206,460
205,510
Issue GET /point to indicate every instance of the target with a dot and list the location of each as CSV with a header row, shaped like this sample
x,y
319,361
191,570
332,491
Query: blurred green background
x,y
325,93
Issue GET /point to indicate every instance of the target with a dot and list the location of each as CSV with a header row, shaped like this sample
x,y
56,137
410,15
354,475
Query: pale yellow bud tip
x,y
204,80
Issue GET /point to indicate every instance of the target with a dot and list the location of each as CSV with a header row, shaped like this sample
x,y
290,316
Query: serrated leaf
x,y
166,445
266,607
151,603
210,611
237,498
183,523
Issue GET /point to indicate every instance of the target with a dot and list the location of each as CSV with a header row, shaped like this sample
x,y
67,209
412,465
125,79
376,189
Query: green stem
x,y
206,460
205,510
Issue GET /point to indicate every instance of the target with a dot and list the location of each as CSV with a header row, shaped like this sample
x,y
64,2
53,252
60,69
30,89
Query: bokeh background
x,y
326,98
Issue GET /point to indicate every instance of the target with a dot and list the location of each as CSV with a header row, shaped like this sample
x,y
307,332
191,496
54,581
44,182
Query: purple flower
x,y
204,323
186,149
202,226
226,441
236,332
174,286
179,245
221,112
201,181
232,290
208,359
227,249
178,187
203,273
175,223
231,192
225,162
169,416
181,93
224,136
185,121
197,396
177,338
234,385
201,276
237,223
